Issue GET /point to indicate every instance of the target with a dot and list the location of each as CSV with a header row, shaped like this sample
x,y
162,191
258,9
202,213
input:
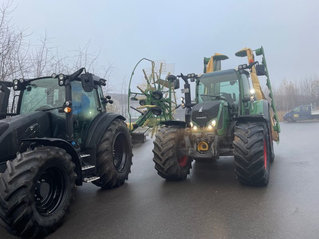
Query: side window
x,y
297,109
84,104
42,94
246,85
100,96
230,90
33,98
58,97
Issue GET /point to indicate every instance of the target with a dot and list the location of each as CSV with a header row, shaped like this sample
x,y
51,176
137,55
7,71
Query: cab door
x,y
85,107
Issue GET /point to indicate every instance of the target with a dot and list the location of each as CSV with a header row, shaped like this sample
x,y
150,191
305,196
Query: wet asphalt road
x,y
210,203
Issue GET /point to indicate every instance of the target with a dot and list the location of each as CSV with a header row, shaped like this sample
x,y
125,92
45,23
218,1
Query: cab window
x,y
212,86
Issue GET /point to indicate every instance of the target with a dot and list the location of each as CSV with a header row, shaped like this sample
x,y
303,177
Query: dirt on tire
x,y
170,160
252,154
19,208
115,139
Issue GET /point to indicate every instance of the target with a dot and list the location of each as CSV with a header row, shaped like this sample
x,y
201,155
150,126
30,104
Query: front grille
x,y
204,112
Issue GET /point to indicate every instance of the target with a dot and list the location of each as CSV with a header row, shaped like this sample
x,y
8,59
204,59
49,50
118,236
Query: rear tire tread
x,y
109,176
166,143
16,198
249,154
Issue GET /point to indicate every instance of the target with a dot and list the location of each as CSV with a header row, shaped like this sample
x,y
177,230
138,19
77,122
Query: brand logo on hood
x,y
201,109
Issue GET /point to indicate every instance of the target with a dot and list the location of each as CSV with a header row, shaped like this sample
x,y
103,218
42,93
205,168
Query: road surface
x,y
210,203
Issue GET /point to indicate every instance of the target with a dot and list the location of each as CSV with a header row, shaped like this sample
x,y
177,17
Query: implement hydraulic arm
x,y
256,84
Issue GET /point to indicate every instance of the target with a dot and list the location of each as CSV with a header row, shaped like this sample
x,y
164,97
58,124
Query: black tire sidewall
x,y
110,177
128,149
18,202
269,154
59,164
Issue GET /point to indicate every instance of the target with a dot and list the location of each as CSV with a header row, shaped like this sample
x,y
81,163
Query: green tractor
x,y
226,119
57,136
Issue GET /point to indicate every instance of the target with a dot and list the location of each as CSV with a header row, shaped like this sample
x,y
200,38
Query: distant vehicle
x,y
302,112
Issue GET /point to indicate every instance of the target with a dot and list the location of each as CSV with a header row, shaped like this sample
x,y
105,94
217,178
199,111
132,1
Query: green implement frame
x,y
276,126
157,99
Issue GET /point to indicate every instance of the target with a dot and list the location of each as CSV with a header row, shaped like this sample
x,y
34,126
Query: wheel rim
x,y
120,152
49,191
265,154
182,161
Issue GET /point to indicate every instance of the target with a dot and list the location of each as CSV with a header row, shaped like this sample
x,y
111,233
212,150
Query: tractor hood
x,y
13,129
204,112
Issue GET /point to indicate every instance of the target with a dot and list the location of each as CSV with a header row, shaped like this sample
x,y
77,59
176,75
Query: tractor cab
x,y
48,94
219,96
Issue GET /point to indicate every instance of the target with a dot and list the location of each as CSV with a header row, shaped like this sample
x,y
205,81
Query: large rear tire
x,y
36,191
252,154
171,161
114,156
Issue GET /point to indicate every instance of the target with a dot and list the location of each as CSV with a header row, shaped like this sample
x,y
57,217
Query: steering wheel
x,y
228,97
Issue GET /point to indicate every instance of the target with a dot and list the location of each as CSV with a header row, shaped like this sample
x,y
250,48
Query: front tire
x,y
171,161
114,156
36,191
252,154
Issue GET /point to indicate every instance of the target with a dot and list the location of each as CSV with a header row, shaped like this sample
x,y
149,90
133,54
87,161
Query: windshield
x,y
220,86
42,94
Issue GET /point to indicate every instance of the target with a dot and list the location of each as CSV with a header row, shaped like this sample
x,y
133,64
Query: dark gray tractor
x,y
56,136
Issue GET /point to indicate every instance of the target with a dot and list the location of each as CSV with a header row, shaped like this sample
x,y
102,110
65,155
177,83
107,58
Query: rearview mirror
x,y
87,82
261,70
171,78
176,84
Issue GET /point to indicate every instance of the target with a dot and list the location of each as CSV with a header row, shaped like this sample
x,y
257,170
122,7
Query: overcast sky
x,y
180,32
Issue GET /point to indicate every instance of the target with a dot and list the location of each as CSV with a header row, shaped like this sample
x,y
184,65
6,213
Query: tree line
x,y
20,59
289,95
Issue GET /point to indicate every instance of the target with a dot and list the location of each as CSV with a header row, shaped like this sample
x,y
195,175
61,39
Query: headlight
x,y
61,76
15,82
195,128
192,125
252,94
213,123
210,127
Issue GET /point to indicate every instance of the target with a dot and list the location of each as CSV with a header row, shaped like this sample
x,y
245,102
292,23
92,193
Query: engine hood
x,y
3,127
204,112
13,129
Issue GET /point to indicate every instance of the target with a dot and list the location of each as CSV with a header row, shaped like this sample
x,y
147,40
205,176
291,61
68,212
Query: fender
x,y
64,145
259,115
98,127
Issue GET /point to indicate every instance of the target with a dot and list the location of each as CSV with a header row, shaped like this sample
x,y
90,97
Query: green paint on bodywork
x,y
223,112
256,108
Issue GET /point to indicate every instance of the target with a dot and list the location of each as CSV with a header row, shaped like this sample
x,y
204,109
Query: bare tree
x,y
13,52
